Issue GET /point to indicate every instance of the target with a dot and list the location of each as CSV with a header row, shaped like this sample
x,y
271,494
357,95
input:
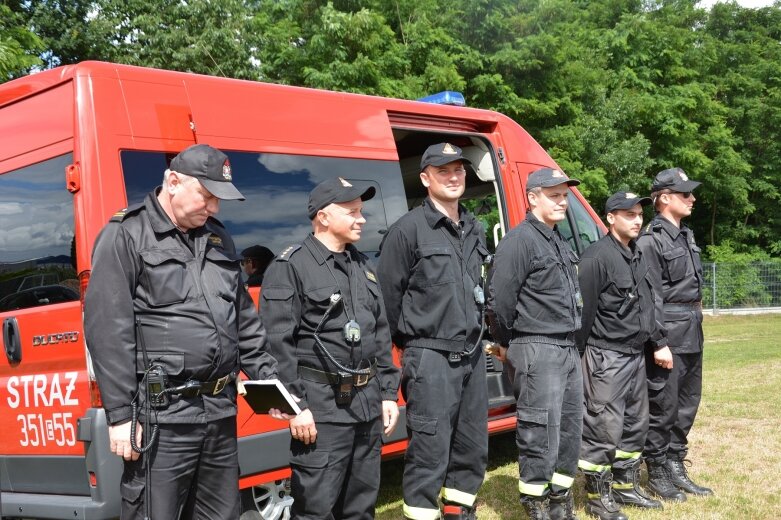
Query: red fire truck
x,y
79,142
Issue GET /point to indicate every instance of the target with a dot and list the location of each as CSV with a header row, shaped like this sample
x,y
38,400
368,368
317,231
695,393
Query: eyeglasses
x,y
685,194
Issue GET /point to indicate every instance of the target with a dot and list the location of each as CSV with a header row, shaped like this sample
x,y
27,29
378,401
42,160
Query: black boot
x,y
457,512
600,497
659,482
680,478
626,488
562,506
535,507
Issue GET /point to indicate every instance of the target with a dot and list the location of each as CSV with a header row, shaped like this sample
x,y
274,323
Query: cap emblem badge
x,y
448,149
683,176
631,195
226,170
557,173
345,183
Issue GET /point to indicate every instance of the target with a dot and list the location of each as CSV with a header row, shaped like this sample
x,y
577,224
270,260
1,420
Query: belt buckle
x,y
220,384
361,379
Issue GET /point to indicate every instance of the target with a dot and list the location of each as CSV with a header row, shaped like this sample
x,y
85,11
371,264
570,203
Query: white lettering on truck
x,y
36,391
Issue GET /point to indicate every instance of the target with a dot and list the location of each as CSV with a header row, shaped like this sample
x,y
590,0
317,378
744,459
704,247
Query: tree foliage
x,y
615,90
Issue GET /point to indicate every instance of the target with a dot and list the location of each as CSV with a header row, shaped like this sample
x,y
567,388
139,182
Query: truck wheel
x,y
269,501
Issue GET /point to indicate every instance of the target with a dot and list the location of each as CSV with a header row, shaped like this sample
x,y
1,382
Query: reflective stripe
x,y
592,496
562,480
535,490
623,485
588,466
458,497
623,455
420,513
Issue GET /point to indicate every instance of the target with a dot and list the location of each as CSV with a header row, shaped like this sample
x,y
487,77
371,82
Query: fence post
x,y
713,282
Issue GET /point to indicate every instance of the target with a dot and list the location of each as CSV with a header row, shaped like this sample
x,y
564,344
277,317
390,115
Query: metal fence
x,y
742,287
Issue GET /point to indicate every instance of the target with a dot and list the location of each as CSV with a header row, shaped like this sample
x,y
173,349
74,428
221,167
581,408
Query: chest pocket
x,y
277,308
226,279
619,296
318,301
164,277
547,275
675,263
435,266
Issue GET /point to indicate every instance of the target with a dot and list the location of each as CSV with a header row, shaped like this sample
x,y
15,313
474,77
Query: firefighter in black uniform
x,y
535,309
168,325
675,371
430,268
618,320
322,304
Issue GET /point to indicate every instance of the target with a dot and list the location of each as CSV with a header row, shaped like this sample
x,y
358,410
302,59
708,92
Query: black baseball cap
x,y
440,154
625,200
335,191
211,167
258,252
673,179
547,177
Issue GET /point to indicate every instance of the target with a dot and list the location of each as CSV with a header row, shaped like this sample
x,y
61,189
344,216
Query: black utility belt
x,y
337,378
193,388
682,307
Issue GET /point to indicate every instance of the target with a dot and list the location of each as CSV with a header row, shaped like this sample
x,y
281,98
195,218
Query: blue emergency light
x,y
446,97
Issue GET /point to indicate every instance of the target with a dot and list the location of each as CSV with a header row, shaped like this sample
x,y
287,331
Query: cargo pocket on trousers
x,y
657,377
131,489
424,446
309,459
533,430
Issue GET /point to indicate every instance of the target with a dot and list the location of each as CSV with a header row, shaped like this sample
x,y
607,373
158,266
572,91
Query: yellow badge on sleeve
x,y
371,276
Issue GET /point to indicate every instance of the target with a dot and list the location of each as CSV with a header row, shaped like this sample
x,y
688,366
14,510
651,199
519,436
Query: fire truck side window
x,y
37,260
277,188
578,228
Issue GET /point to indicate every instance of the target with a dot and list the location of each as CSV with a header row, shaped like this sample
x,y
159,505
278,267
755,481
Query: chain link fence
x,y
742,287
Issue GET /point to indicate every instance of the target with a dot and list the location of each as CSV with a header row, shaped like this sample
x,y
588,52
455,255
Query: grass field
x,y
735,445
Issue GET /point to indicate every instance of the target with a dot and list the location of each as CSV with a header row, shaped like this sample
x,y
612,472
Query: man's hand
x,y
279,414
497,350
664,358
390,415
302,427
119,437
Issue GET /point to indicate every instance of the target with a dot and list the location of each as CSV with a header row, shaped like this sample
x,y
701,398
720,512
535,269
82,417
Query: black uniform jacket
x,y
618,304
676,270
534,294
197,319
294,298
429,270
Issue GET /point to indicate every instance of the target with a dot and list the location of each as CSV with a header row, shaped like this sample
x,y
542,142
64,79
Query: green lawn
x,y
735,443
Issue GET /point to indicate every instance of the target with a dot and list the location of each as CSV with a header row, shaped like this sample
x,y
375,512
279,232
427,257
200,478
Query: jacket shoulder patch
x,y
286,253
120,215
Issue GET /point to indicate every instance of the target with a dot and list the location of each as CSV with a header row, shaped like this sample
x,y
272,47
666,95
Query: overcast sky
x,y
745,3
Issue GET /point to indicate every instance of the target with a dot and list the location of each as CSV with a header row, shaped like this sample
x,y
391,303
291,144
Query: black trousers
x,y
337,477
447,425
548,386
195,474
615,418
674,398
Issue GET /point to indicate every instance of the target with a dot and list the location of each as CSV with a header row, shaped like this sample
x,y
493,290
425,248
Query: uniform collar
x,y
434,216
159,219
669,227
543,228
627,253
321,253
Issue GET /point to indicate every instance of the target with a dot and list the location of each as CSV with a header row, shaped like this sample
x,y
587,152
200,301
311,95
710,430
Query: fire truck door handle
x,y
13,345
